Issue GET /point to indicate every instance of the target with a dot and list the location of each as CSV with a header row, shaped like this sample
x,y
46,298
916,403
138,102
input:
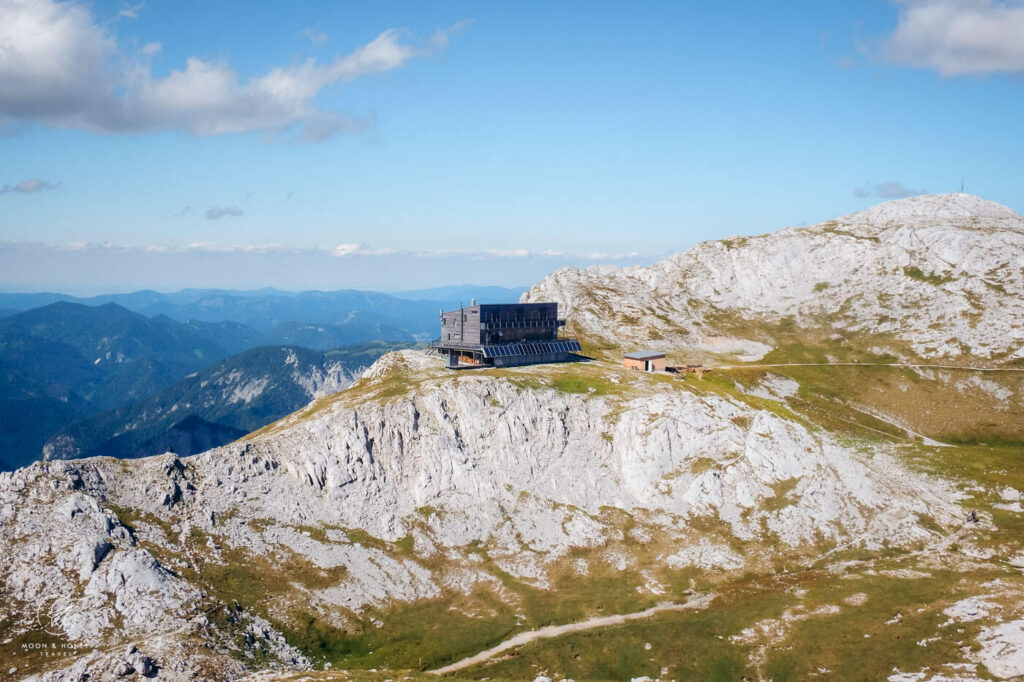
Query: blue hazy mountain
x,y
233,337
64,361
264,312
216,405
105,354
30,411
413,312
452,295
145,299
358,328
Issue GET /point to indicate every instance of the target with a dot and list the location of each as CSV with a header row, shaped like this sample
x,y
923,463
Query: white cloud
x,y
315,35
52,61
151,49
218,212
208,247
342,250
30,186
441,39
523,253
348,250
60,68
600,255
887,190
507,253
130,12
958,37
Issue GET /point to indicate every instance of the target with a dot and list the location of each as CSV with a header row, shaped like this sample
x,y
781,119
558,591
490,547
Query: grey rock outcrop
x,y
941,274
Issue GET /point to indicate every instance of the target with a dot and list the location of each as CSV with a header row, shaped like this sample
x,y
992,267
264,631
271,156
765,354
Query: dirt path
x,y
697,602
880,416
869,364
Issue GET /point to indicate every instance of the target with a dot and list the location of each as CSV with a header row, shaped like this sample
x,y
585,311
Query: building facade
x,y
504,335
645,361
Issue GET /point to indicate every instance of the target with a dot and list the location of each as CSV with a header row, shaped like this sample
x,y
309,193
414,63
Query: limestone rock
x,y
944,274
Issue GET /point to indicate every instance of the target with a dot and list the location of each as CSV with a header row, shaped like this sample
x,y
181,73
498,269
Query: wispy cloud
x,y
503,254
314,35
345,250
130,11
218,212
508,253
886,190
59,67
30,186
958,37
442,38
207,247
348,250
601,255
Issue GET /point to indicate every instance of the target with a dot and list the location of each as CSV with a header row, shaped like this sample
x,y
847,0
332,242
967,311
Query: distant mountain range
x,y
30,411
64,361
217,405
104,354
370,314
453,295
107,359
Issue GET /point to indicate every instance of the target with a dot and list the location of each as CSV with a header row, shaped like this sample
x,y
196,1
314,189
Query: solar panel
x,y
507,350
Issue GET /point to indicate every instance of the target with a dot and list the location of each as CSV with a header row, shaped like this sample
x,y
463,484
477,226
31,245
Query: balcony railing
x,y
521,324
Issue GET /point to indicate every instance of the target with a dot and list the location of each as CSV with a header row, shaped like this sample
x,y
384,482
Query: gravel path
x,y
696,602
868,364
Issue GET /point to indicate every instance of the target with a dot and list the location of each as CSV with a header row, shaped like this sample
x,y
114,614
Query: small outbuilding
x,y
645,361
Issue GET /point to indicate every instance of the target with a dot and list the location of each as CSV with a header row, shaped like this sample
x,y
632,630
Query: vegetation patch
x,y
832,227
940,404
780,498
735,242
584,386
860,627
914,272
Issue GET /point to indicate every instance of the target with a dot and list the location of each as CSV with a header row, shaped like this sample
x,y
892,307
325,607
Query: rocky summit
x,y
845,477
936,276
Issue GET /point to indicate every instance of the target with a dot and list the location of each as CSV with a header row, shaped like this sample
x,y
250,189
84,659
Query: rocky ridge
x,y
456,464
939,276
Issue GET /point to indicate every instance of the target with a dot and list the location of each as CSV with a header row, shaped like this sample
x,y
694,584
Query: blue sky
x,y
171,144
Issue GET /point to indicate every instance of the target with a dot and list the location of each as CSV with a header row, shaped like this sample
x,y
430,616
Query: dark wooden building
x,y
504,335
